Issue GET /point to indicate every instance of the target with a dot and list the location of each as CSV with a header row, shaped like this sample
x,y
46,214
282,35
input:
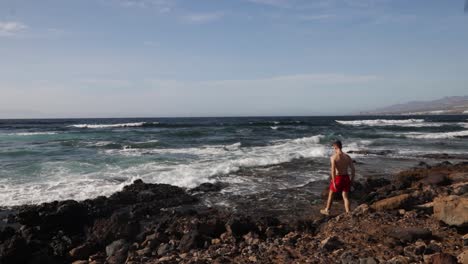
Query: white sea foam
x,y
57,181
442,135
136,124
31,133
274,127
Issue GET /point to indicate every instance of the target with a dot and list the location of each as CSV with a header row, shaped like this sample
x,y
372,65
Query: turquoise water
x,y
45,160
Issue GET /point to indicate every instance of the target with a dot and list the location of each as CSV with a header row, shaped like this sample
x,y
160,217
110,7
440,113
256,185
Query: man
x,y
340,181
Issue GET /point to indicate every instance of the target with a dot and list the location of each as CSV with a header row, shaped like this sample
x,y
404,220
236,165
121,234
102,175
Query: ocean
x,y
43,160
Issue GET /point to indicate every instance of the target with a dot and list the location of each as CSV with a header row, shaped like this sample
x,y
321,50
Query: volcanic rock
x,y
452,210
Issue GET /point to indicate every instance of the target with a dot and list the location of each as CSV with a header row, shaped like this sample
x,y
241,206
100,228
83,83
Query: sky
x,y
168,58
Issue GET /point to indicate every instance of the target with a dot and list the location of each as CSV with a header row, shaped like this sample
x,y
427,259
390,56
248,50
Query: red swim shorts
x,y
342,182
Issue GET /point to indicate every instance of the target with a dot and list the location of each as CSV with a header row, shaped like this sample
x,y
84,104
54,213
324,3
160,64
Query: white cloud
x,y
11,28
276,3
162,6
316,17
200,18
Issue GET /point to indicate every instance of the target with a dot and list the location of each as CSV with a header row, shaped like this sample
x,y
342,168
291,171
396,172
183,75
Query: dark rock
x,y
6,233
409,234
119,225
239,226
82,251
331,243
145,196
14,250
190,240
208,187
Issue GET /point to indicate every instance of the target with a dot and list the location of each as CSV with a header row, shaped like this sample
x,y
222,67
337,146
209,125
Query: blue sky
x,y
118,58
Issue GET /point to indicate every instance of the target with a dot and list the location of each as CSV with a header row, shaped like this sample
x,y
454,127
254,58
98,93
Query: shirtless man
x,y
340,181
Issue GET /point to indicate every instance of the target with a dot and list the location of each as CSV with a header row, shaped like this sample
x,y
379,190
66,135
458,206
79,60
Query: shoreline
x,y
160,223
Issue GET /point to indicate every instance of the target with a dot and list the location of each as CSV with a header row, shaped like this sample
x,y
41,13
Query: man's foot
x,y
324,212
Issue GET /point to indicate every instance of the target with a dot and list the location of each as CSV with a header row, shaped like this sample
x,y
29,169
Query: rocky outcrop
x,y
157,223
452,210
391,203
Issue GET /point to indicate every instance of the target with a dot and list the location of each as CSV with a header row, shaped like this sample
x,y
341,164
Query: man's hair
x,y
338,144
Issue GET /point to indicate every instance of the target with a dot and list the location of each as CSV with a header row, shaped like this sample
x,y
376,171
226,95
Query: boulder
x,y
391,203
452,210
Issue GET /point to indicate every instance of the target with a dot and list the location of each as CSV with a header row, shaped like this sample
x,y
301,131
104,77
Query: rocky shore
x,y
419,215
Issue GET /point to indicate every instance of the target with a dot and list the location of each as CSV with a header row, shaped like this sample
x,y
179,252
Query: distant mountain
x,y
446,106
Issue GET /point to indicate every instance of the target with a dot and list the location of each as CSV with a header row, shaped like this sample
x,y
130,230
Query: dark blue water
x,y
44,160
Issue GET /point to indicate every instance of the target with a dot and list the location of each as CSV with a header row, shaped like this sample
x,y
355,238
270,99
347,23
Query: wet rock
x,y
409,234
145,196
163,249
452,210
443,258
391,203
208,187
331,243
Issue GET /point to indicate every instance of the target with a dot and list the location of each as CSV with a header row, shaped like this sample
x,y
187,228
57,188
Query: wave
x,y
443,135
31,133
66,180
136,124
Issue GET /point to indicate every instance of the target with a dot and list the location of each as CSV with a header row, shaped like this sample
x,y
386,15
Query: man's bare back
x,y
342,162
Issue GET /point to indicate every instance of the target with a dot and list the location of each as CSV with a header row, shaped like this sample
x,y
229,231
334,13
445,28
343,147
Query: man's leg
x,y
330,200
329,203
346,201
